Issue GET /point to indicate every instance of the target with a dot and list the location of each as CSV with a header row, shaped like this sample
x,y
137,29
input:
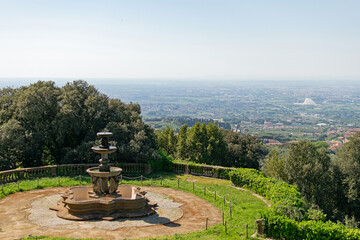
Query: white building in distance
x,y
308,101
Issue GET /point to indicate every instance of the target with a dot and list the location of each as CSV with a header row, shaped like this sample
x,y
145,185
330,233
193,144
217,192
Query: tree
x,y
12,145
310,169
36,110
348,161
243,150
211,145
274,165
7,97
216,148
166,140
136,141
308,166
202,145
43,124
181,146
197,143
82,114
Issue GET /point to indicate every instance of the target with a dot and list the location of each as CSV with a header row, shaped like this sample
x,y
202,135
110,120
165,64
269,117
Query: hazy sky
x,y
183,39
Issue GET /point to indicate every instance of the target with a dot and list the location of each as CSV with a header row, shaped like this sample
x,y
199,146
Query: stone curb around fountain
x,y
167,211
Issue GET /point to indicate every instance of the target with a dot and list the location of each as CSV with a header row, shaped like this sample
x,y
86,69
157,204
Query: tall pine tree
x,y
167,141
181,146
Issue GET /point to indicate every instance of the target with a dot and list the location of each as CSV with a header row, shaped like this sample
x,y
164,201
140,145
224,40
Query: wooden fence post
x,y
215,195
18,182
204,190
178,182
80,178
37,181
193,186
247,230
160,180
141,179
207,220
225,227
223,218
230,210
121,179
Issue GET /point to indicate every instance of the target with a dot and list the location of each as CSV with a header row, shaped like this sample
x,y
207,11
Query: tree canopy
x,y
329,184
348,161
44,124
210,144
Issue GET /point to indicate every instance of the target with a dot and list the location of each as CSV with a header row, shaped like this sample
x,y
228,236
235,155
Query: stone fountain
x,y
105,199
105,179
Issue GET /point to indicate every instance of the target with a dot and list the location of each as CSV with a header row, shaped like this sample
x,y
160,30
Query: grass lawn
x,y
245,207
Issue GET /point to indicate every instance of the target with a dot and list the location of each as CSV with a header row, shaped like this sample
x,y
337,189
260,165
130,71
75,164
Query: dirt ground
x,y
15,224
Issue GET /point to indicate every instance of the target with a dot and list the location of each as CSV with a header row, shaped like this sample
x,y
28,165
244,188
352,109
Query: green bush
x,y
164,164
285,198
286,218
282,227
223,172
196,169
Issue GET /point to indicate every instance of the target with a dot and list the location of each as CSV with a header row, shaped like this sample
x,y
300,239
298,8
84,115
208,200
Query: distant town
x,y
278,112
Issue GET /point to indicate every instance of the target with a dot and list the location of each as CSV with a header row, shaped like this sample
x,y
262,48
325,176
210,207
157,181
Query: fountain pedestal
x,y
104,182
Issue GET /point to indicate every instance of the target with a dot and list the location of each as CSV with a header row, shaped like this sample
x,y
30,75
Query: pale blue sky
x,y
183,39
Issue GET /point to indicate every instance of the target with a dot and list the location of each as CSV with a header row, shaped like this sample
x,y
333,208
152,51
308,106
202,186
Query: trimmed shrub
x,y
286,218
163,164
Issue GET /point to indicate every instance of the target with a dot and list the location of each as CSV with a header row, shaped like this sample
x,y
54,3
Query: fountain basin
x,y
104,182
95,171
104,134
104,150
78,203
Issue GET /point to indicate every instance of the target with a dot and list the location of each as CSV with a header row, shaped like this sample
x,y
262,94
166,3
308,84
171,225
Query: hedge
x,y
286,218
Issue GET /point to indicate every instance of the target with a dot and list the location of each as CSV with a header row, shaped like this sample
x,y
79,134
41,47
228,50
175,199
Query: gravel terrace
x,y
27,213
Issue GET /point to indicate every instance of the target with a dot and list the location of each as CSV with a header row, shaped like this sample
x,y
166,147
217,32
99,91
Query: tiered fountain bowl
x,y
105,199
101,175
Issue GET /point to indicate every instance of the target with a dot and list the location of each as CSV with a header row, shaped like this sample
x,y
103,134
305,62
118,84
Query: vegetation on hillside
x,y
331,185
289,217
212,145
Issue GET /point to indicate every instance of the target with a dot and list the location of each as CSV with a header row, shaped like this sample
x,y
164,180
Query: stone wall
x,y
128,168
65,170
